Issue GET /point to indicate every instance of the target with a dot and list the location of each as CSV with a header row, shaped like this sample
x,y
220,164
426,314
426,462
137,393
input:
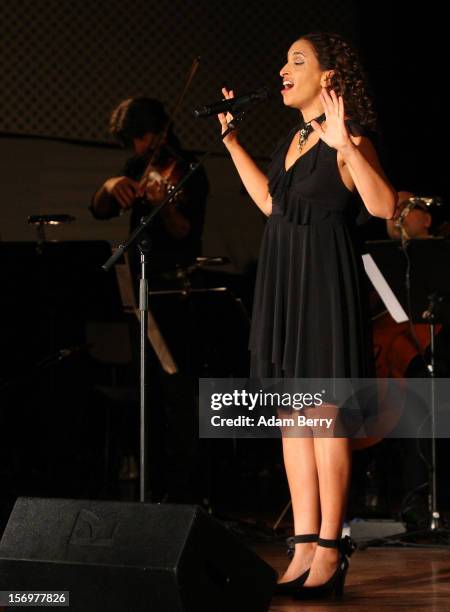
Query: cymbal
x,y
433,205
49,219
426,203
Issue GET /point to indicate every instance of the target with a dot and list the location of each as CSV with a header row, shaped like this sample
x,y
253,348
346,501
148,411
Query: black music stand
x,y
417,275
426,261
51,292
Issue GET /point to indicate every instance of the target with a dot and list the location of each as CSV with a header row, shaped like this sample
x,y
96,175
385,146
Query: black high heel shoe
x,y
289,588
335,584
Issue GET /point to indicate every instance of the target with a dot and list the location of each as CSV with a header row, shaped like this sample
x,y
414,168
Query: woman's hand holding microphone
x,y
225,118
255,181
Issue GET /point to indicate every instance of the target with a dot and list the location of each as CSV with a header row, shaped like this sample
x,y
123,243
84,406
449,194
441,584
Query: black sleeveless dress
x,y
310,315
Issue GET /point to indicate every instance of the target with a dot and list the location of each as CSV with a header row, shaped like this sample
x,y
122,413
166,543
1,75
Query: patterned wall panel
x,y
65,63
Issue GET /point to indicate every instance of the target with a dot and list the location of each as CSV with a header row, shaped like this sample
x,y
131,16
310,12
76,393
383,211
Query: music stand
x,y
412,280
426,261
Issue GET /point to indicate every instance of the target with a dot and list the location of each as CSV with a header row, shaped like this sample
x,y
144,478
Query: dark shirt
x,y
167,251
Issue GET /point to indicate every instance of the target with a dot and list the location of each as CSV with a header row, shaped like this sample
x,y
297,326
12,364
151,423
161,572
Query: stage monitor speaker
x,y
132,557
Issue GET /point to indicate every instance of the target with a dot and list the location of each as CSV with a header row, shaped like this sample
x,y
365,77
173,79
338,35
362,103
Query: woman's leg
x,y
301,471
333,460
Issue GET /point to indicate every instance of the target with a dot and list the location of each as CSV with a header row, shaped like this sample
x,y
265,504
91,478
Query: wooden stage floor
x,y
393,579
378,579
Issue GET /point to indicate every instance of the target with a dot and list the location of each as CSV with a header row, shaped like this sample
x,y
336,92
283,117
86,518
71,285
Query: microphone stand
x,y
435,517
144,247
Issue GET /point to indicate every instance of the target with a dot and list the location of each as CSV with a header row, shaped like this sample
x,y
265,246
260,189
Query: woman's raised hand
x,y
336,134
224,119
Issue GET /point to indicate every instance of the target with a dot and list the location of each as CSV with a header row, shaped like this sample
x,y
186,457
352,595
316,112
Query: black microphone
x,y
232,104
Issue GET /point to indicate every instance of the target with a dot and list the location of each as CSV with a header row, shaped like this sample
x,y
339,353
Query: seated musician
x,y
176,231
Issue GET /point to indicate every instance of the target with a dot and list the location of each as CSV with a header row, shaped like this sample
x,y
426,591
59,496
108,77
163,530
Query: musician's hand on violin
x,y
153,188
155,191
123,189
224,119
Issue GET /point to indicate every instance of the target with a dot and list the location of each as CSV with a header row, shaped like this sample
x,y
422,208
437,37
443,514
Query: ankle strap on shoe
x,y
345,545
300,539
328,543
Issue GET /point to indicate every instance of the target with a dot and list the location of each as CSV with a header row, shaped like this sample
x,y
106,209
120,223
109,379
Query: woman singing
x,y
310,318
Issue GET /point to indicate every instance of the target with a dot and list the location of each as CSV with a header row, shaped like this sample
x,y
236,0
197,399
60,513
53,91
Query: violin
x,y
161,175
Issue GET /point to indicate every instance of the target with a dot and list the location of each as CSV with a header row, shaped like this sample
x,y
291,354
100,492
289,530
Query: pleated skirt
x,y
310,314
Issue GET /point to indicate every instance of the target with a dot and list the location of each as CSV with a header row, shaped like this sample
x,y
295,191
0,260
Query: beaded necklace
x,y
306,130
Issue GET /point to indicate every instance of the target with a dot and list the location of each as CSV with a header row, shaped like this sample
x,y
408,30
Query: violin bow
x,y
163,135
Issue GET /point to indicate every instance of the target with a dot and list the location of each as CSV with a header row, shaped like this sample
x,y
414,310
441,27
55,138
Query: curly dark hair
x,y
134,117
349,79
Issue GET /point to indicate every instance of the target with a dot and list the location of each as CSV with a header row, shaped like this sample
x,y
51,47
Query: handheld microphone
x,y
232,104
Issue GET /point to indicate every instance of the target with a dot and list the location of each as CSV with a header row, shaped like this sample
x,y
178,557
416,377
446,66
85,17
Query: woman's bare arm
x,y
359,156
254,180
376,192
